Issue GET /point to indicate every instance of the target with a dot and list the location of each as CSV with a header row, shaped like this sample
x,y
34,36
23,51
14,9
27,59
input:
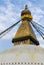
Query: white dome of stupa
x,y
23,55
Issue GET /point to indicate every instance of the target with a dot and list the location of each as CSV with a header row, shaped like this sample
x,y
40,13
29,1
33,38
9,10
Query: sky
x,y
10,13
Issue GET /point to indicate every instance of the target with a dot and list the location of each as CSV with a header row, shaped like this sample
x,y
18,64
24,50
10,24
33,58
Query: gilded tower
x,y
25,33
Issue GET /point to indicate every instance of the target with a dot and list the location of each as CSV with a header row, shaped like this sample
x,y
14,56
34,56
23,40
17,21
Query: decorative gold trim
x,y
26,15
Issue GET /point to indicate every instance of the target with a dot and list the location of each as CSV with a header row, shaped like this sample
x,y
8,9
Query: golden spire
x,y
25,33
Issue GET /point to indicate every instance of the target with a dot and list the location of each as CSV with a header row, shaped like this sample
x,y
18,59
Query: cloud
x,y
2,27
10,14
7,15
37,13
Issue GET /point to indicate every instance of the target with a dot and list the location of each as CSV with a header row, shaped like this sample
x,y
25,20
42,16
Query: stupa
x,y
26,49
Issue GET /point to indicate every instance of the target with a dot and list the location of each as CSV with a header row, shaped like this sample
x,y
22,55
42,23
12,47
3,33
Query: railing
x,y
21,63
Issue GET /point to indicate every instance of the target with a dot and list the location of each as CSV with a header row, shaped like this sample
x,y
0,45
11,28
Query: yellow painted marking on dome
x,y
29,16
33,57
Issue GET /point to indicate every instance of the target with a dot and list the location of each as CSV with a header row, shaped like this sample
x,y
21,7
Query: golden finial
x,y
26,6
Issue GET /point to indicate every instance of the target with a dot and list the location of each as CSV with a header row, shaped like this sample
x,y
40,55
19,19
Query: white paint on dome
x,y
23,53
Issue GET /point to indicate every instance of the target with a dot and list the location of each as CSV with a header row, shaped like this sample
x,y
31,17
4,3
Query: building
x,y
26,50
